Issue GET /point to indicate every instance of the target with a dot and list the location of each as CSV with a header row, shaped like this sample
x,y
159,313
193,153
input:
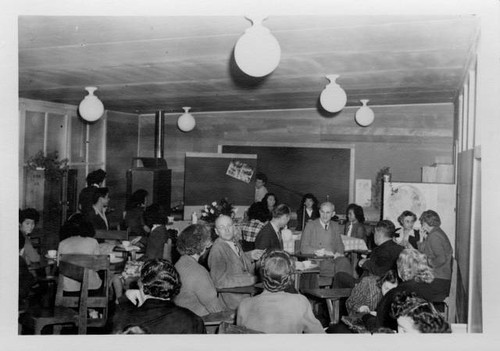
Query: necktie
x,y
326,226
280,238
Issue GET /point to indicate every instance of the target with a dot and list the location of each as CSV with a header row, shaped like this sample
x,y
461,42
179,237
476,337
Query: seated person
x,y
97,214
229,265
133,215
416,276
416,315
268,204
27,222
80,240
366,294
197,292
94,180
355,226
276,311
406,236
250,228
437,247
161,242
269,237
260,186
159,283
382,259
26,279
308,211
323,233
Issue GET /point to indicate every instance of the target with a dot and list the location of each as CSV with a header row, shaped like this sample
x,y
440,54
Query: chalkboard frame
x,y
349,146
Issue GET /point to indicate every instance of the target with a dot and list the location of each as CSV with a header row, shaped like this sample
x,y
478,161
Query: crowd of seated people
x,y
169,288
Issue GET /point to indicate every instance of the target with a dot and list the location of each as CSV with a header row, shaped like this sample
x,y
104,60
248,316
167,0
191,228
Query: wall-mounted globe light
x,y
333,98
364,116
186,121
257,52
91,108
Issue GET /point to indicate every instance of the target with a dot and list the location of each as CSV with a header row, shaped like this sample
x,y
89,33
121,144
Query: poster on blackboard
x,y
240,170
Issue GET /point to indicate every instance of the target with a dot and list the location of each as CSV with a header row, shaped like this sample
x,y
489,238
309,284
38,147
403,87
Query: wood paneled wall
x,y
403,137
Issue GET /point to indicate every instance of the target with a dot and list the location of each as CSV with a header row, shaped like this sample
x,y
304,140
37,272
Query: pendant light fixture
x,y
186,121
333,98
91,108
257,52
364,116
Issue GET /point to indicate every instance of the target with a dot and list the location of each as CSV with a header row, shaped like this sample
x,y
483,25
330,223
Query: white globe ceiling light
x,y
257,52
91,108
186,121
364,116
333,98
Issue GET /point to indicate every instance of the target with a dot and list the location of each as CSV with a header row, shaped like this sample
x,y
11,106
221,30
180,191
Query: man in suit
x,y
269,236
229,265
382,259
323,233
97,215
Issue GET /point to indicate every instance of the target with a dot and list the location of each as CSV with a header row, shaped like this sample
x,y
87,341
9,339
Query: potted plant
x,y
50,163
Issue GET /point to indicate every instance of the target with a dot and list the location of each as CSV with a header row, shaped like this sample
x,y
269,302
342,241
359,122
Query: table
x,y
249,289
132,253
306,279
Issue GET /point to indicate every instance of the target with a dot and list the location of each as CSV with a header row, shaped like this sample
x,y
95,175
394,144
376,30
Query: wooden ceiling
x,y
142,64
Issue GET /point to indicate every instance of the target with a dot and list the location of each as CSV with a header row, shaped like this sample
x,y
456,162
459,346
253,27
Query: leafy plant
x,y
54,168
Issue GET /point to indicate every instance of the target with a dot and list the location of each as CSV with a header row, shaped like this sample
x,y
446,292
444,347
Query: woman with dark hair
x,y
308,210
152,306
268,203
437,247
27,221
406,236
416,315
276,311
257,217
160,242
198,292
355,222
79,235
133,215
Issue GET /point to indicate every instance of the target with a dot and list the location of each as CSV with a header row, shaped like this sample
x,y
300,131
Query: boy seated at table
x,y
276,311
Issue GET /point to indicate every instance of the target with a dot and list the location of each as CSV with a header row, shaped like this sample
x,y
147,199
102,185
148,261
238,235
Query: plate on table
x,y
50,257
323,253
129,248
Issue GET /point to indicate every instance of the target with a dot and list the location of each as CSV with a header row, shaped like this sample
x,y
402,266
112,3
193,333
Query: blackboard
x,y
205,179
295,171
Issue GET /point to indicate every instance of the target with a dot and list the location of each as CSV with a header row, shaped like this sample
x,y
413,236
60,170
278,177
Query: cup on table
x,y
52,253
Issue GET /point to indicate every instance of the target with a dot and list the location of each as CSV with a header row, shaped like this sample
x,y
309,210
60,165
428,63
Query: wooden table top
x,y
250,289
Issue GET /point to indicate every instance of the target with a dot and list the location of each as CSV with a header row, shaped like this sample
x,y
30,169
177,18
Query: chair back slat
x,y
94,262
78,267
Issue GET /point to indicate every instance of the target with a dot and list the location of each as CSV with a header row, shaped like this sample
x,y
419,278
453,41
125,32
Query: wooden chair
x,y
72,307
228,328
213,320
332,298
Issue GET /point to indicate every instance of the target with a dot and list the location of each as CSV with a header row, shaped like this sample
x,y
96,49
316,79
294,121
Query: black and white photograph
x,y
266,169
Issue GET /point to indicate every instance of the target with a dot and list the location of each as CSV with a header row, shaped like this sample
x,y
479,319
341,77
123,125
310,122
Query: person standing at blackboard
x,y
260,186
